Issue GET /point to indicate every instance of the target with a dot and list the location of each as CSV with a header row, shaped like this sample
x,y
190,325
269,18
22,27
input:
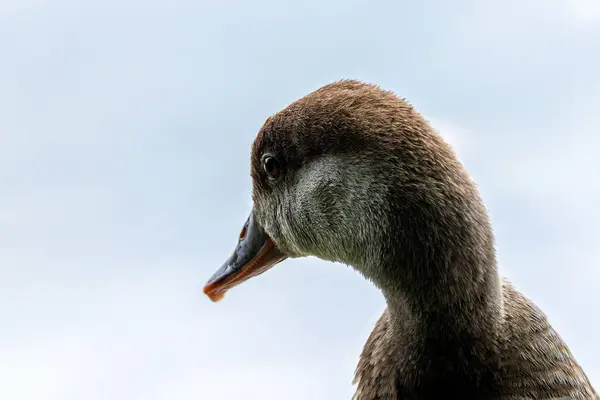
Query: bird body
x,y
351,173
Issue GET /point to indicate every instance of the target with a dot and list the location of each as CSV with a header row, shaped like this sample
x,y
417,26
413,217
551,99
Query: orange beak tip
x,y
215,296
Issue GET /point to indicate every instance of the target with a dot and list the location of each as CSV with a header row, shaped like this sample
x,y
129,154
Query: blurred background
x,y
125,132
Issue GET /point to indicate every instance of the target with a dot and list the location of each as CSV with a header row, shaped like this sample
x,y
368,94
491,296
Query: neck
x,y
443,296
447,310
440,265
460,296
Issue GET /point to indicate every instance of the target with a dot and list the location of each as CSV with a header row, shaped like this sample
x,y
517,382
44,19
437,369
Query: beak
x,y
254,254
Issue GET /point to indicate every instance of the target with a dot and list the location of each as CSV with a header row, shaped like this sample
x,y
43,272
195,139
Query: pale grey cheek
x,y
297,222
274,213
264,212
315,224
319,220
332,210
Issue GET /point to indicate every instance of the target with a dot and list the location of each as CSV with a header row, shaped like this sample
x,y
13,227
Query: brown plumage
x,y
353,174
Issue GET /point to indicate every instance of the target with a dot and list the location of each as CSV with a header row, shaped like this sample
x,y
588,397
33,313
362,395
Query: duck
x,y
351,173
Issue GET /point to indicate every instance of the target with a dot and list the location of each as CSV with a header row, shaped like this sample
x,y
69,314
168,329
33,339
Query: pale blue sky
x,y
125,132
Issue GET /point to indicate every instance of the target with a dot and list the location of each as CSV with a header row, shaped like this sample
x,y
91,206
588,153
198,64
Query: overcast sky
x,y
125,132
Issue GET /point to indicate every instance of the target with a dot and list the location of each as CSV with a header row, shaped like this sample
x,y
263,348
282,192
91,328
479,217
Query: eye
x,y
271,166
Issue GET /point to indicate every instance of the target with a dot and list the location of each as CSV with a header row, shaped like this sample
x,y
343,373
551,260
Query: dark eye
x,y
271,167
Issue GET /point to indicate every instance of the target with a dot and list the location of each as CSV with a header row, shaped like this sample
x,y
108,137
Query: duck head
x,y
350,173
